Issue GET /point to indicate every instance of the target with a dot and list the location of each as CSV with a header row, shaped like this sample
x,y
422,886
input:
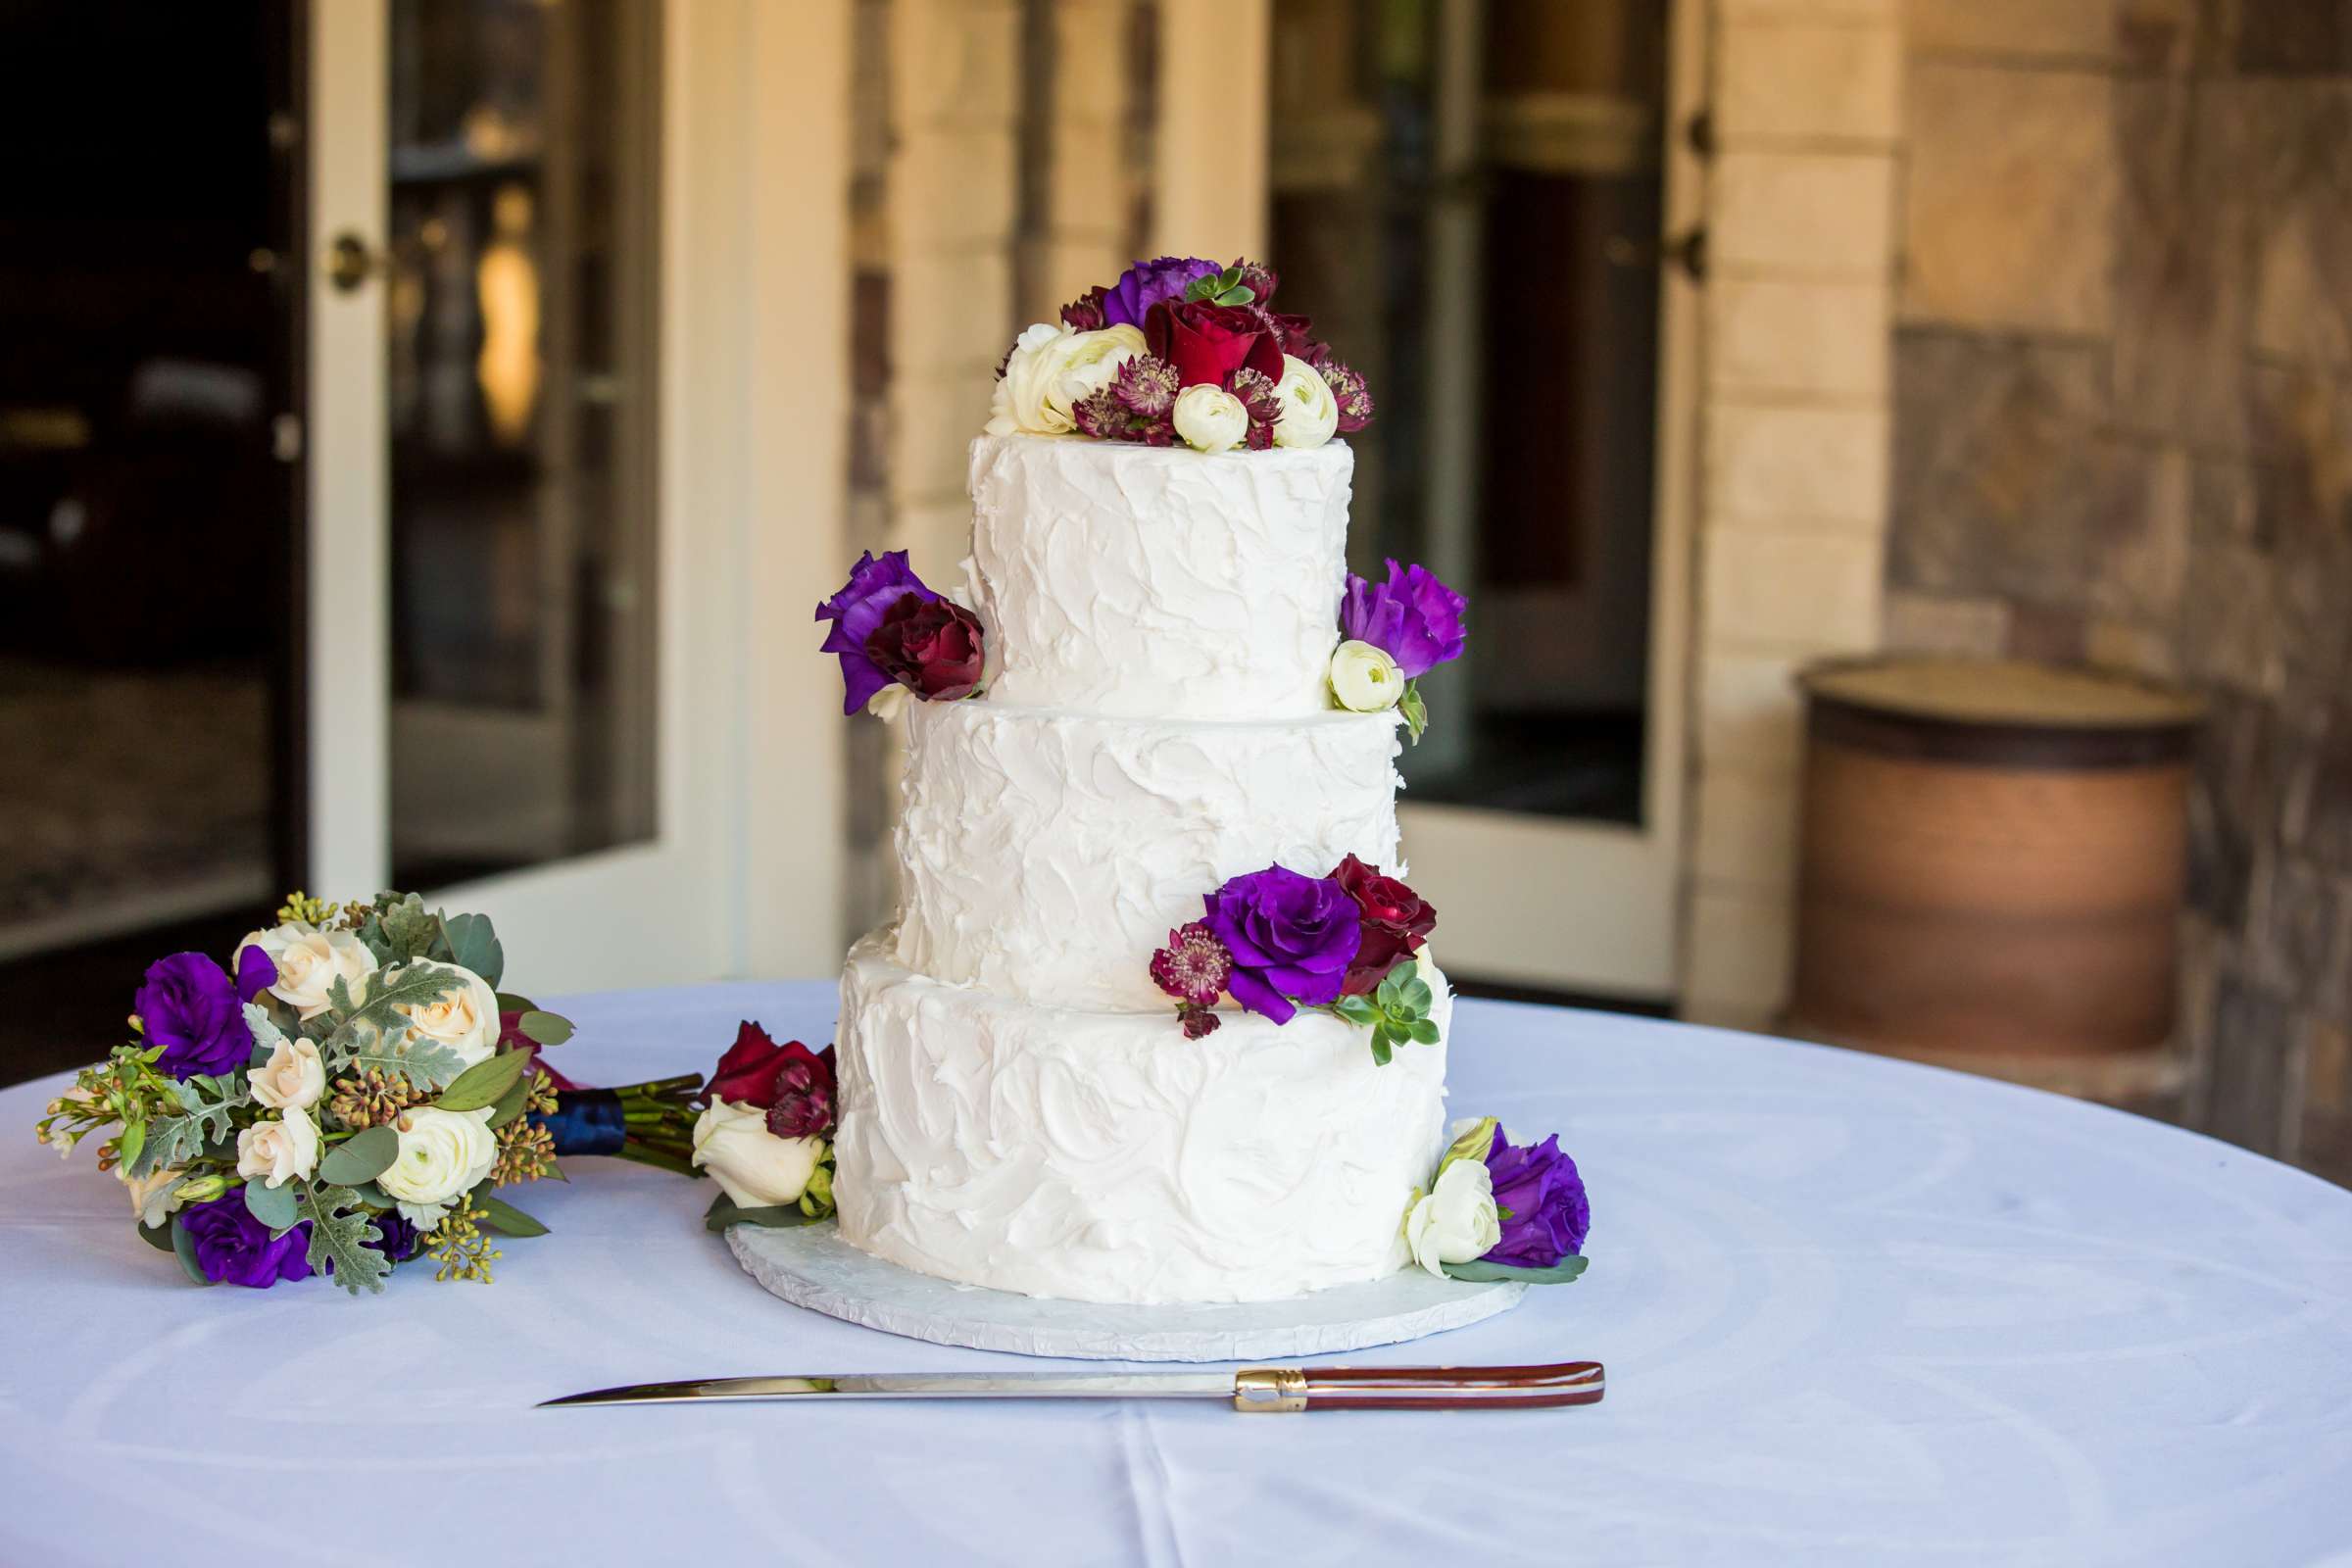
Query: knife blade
x,y
1252,1389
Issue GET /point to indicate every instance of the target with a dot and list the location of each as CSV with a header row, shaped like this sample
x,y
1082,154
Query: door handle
x,y
350,263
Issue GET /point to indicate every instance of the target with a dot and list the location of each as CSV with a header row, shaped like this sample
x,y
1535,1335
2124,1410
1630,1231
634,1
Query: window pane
x,y
522,318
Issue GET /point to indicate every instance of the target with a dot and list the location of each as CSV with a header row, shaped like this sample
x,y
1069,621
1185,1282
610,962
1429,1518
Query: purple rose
x,y
856,611
189,1007
1545,1196
1147,284
1291,938
233,1248
1412,618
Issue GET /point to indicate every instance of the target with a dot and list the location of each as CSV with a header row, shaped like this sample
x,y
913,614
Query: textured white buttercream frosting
x,y
1102,1156
1046,855
1158,583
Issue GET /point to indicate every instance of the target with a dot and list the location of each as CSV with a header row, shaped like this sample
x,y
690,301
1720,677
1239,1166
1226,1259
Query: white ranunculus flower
x,y
154,1196
1210,418
464,1018
1051,370
1364,678
1309,413
885,704
309,962
443,1155
756,1168
293,1078
275,1153
1456,1221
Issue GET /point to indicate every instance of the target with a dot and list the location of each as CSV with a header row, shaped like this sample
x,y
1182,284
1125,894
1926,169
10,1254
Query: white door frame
x,y
1559,903
744,873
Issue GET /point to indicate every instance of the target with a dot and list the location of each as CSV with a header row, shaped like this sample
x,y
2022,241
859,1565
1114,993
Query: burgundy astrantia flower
x,y
1194,966
1397,922
1199,1022
1146,386
1082,315
874,586
1258,278
1292,938
1410,615
932,647
1543,1196
1263,404
1347,389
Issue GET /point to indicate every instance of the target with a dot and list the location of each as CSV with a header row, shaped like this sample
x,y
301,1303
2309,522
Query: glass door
x,y
491,714
1486,201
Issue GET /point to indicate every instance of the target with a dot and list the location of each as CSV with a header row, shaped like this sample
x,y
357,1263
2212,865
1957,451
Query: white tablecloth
x,y
1854,1312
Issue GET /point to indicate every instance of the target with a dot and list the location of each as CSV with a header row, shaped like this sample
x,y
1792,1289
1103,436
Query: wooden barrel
x,y
1993,858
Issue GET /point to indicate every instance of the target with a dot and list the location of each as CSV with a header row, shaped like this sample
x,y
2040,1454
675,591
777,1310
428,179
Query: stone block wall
x,y
1001,155
2122,434
1794,435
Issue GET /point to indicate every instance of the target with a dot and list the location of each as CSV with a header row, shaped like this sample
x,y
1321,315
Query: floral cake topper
x,y
1179,350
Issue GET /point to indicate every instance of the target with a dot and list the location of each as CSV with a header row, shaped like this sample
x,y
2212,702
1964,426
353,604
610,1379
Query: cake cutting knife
x,y
1272,1388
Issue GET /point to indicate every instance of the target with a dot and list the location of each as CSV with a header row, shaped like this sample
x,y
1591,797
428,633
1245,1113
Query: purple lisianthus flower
x,y
397,1238
1544,1199
189,1007
256,972
1147,284
1291,938
233,1248
856,611
1412,618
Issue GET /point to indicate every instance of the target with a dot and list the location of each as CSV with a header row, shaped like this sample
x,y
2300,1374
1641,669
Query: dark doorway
x,y
151,645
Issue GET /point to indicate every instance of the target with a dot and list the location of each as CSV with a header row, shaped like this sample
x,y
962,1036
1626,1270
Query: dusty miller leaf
x,y
339,1236
372,1032
400,931
205,1101
266,1036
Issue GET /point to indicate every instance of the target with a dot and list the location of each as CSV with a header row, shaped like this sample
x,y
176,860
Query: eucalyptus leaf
x,y
361,1157
483,1083
157,1237
546,1028
1481,1272
724,1212
369,1193
510,1104
507,1001
184,1248
473,944
505,1219
273,1207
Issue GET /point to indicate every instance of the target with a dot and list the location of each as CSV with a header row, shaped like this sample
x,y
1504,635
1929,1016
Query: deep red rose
x,y
804,1091
1397,921
931,646
1207,343
748,1074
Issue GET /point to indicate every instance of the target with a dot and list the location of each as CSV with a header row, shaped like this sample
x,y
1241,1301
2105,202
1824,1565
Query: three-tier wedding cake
x,y
1144,766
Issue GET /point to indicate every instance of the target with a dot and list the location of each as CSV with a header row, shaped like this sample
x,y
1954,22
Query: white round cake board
x,y
811,1266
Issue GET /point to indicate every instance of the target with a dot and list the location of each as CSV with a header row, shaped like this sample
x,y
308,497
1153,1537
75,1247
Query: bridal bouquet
x,y
344,1097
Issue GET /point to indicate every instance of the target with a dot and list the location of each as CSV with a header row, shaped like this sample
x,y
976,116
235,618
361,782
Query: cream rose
x,y
309,962
464,1018
443,1154
756,1167
1210,418
292,1079
1309,413
275,1153
1456,1221
1050,370
1364,679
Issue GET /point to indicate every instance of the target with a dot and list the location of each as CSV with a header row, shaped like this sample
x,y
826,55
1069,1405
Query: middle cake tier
x,y
1046,855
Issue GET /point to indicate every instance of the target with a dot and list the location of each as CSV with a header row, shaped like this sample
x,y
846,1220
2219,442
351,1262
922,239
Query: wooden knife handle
x,y
1417,1388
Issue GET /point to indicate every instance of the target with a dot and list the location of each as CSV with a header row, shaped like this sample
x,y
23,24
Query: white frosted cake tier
x,y
1046,855
1102,1156
1158,581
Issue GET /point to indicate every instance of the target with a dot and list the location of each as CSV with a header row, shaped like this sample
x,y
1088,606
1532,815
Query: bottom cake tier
x,y
1102,1156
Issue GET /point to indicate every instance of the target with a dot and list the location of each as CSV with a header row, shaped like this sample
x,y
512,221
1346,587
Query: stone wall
x,y
2122,434
1000,150
1806,100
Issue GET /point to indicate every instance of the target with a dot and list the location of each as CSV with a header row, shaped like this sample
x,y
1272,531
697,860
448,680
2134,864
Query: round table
x,y
1854,1311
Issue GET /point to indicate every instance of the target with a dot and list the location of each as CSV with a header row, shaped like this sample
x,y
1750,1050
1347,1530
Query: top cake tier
x,y
1156,581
